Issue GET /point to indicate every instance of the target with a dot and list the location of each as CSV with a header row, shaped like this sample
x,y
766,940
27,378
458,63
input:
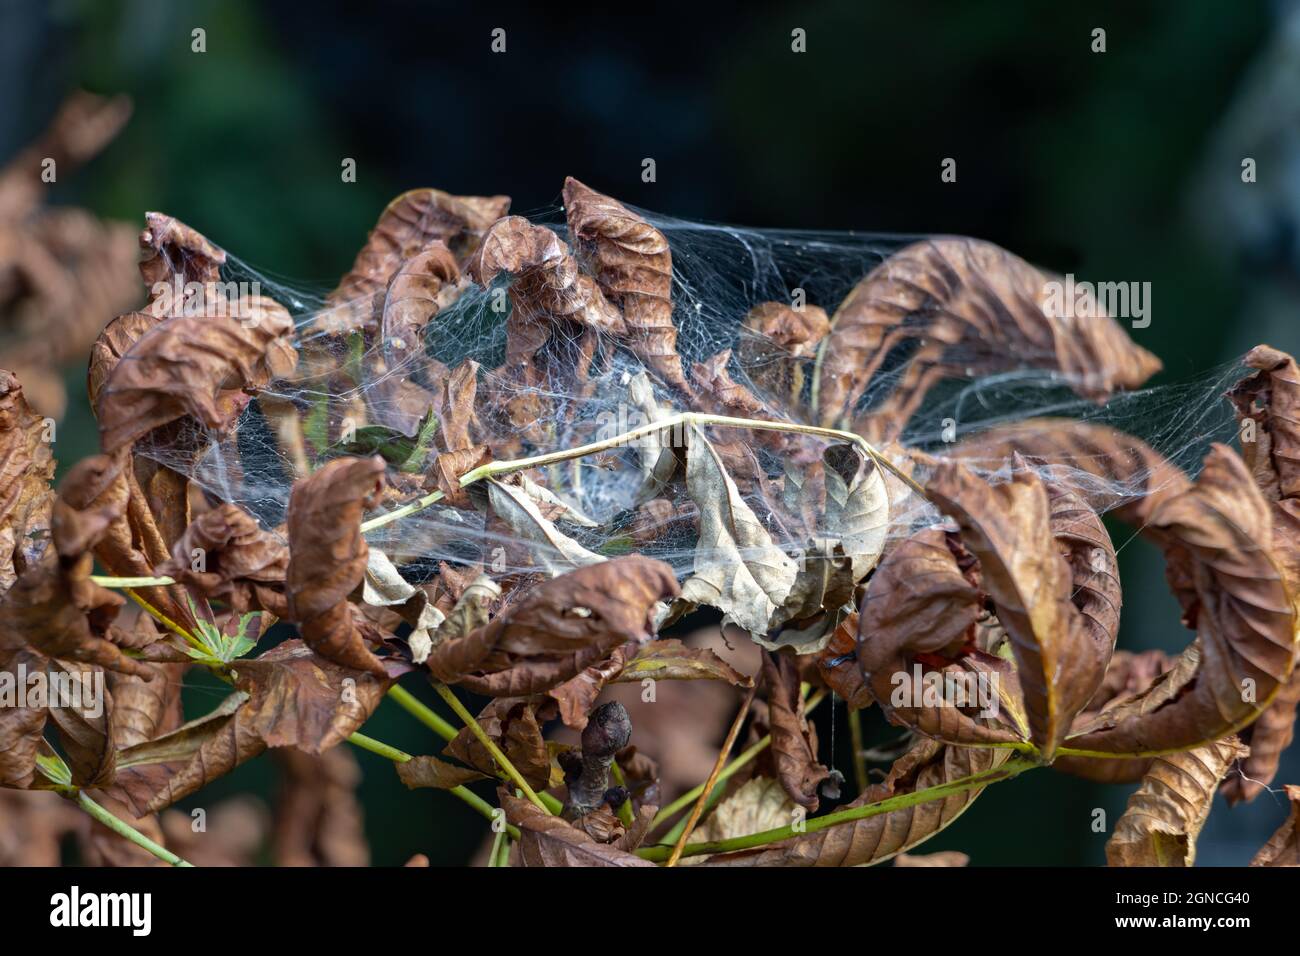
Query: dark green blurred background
x,y
1123,165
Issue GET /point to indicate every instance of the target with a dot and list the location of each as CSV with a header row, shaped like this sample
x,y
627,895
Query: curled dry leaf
x,y
1164,817
794,740
1008,528
84,720
287,697
1109,469
738,569
224,554
548,287
634,266
422,285
776,346
545,840
26,469
878,838
918,620
174,251
409,226
558,628
328,556
969,297
1283,848
20,727
1268,411
132,545
837,665
1216,538
203,366
55,607
515,725
428,771
521,512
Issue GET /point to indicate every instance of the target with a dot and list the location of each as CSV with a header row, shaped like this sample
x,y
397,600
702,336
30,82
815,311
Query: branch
x,y
494,468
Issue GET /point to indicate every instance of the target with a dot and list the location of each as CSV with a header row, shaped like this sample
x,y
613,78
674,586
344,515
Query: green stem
x,y
379,747
500,854
1009,769
418,709
401,756
489,744
108,581
128,832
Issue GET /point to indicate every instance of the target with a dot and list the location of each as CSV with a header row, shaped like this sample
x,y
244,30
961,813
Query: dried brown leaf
x,y
328,556
1216,538
1283,847
1008,527
515,725
408,226
973,309
203,365
634,266
1163,818
794,741
26,469
558,628
224,554
920,603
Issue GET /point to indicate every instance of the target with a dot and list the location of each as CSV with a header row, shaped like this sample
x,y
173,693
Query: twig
x,y
502,761
739,763
108,581
727,744
493,469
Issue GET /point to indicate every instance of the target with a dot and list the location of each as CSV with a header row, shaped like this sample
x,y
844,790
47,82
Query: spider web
x,y
719,274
